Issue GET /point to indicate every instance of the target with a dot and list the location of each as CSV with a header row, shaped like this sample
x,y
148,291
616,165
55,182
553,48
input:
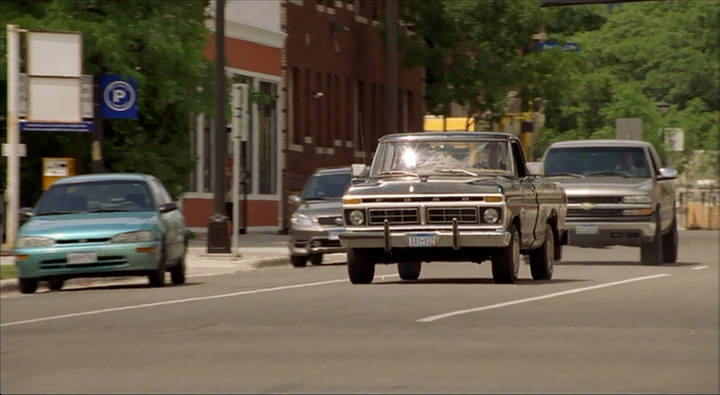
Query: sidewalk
x,y
255,251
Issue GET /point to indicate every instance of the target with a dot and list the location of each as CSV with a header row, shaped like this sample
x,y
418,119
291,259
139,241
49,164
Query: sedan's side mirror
x,y
534,168
26,213
167,207
668,173
294,199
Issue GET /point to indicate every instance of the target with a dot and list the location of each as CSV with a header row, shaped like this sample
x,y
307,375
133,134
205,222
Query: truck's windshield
x,y
597,161
442,158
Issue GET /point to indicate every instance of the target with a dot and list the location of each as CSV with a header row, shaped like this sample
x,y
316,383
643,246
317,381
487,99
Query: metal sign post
x,y
13,136
239,132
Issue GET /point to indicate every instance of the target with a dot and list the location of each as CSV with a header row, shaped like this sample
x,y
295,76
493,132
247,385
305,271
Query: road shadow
x,y
124,286
472,281
621,263
330,264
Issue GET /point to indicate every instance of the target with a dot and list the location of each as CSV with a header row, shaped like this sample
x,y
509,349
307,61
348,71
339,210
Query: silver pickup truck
x,y
618,194
451,196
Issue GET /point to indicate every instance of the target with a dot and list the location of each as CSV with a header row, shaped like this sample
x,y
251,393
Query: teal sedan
x,y
102,225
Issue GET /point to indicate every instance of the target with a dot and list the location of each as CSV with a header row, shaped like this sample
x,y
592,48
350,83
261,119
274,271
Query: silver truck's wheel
x,y
298,261
409,270
361,267
506,262
651,253
670,243
542,259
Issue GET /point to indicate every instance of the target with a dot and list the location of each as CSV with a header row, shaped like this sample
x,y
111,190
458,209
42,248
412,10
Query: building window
x,y
294,109
361,7
267,138
328,100
358,113
307,92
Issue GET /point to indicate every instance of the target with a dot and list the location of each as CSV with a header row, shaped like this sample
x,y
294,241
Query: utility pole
x,y
218,233
13,136
391,65
98,130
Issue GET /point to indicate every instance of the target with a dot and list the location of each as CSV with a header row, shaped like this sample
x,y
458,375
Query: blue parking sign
x,y
119,97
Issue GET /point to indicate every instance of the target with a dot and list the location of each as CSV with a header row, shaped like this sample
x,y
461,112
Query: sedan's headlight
x,y
357,217
301,219
34,241
133,237
637,199
491,215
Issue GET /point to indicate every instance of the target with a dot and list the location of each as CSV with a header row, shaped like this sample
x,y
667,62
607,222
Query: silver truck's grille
x,y
443,215
595,199
395,216
595,212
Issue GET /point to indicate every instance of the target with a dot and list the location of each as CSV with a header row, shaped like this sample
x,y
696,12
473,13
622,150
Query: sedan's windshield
x,y
629,162
98,196
326,186
442,158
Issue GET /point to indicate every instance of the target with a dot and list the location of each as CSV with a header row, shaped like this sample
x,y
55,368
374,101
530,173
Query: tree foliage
x,y
159,44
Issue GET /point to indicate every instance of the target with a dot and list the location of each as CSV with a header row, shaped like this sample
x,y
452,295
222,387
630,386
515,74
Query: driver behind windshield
x,y
494,157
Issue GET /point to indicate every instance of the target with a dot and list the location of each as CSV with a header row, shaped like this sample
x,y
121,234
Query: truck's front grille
x,y
595,212
594,199
444,215
395,216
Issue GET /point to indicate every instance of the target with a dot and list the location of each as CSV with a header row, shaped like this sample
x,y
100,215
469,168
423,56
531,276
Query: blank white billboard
x,y
54,54
54,99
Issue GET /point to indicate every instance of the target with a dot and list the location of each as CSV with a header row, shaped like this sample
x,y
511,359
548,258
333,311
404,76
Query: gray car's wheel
x,y
316,259
177,272
670,243
298,261
27,285
651,253
506,262
409,270
542,259
55,284
361,266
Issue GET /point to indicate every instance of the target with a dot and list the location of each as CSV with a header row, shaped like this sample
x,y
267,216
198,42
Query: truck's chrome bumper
x,y
597,234
443,238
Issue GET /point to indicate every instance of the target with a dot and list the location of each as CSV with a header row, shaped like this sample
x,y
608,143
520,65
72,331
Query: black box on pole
x,y
218,238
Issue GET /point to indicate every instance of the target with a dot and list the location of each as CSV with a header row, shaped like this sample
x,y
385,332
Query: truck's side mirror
x,y
534,168
668,173
359,172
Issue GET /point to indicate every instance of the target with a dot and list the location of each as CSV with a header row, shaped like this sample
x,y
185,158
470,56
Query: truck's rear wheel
x,y
542,259
506,262
651,253
361,266
409,270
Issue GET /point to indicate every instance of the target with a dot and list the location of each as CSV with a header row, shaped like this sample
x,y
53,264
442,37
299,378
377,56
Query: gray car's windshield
x,y
442,158
98,196
629,162
326,186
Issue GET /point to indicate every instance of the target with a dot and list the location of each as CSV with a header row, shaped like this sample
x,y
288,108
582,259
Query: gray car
x,y
618,194
318,220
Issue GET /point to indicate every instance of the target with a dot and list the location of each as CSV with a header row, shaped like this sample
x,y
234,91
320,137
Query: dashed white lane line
x,y
699,267
536,298
175,301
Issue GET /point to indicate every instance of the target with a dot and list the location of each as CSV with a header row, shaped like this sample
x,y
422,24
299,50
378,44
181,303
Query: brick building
x,y
334,66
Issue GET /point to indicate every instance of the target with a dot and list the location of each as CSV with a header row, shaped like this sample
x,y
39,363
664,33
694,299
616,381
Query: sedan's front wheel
x,y
177,272
27,285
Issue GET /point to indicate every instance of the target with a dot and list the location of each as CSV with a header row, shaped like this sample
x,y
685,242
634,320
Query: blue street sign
x,y
569,46
85,126
119,97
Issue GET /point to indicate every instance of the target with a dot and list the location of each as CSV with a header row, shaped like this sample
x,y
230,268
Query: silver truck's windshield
x,y
442,158
627,162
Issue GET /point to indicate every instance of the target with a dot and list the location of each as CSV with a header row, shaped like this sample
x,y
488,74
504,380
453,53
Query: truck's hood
x,y
406,187
604,186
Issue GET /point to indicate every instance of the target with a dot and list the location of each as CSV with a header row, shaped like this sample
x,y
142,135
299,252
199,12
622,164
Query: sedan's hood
x,y
432,186
321,208
605,186
87,225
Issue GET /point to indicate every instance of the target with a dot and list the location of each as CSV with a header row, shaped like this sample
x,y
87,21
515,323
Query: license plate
x,y
586,229
75,258
421,240
334,234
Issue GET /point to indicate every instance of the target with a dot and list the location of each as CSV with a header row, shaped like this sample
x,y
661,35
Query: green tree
x,y
159,44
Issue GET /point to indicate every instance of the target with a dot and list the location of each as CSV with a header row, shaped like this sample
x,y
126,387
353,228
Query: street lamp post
x,y
663,106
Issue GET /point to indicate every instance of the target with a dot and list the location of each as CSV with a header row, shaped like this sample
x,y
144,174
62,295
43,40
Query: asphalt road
x,y
604,323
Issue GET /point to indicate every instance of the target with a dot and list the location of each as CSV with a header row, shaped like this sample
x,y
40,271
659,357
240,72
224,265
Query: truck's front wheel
x,y
361,266
506,262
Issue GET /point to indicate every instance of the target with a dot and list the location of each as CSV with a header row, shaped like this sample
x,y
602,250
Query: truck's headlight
x,y
491,215
637,199
34,241
133,237
357,217
301,219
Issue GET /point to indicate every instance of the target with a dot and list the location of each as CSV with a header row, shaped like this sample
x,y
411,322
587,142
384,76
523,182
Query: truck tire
x,y
506,262
27,285
651,253
360,265
670,243
316,259
409,270
542,259
298,261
